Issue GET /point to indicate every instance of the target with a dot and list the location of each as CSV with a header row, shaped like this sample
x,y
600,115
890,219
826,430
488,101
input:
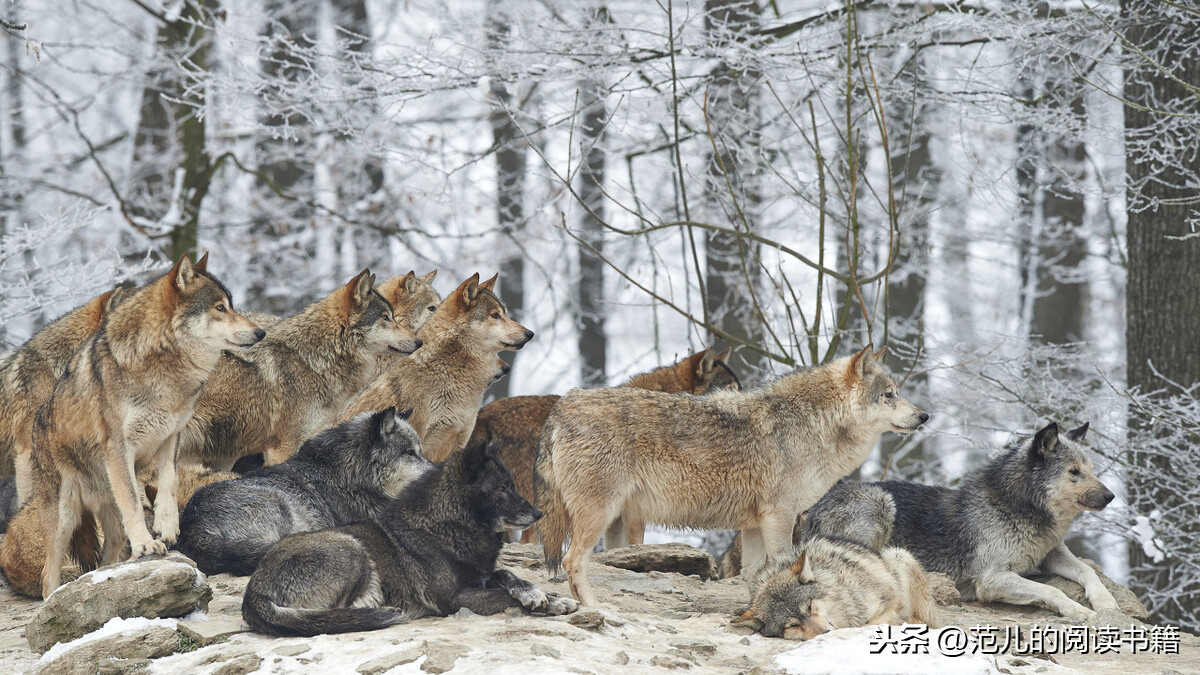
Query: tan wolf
x,y
292,386
750,460
838,583
444,382
27,377
513,425
121,404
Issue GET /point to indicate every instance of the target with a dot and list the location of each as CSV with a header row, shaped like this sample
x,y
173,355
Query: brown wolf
x,y
444,382
121,404
838,583
27,377
749,460
513,424
292,386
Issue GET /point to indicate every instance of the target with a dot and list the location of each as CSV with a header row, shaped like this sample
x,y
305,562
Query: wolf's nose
x,y
1108,497
537,514
417,344
504,369
260,334
923,418
528,334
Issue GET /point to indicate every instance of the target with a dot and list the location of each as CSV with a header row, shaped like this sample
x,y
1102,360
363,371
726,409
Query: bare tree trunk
x,y
732,263
593,343
510,182
1163,288
169,146
291,29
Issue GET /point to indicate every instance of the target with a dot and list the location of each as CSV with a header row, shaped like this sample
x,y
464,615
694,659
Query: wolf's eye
x,y
889,395
1076,472
432,308
495,315
221,308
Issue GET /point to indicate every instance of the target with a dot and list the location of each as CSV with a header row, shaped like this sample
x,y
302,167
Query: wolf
x,y
850,510
9,503
341,475
444,382
121,403
838,583
28,374
294,384
413,301
749,460
429,552
1005,521
514,424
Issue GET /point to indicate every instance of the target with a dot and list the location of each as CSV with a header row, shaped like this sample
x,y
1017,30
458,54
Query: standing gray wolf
x,y
837,583
1007,520
294,384
429,552
27,377
120,405
514,424
444,382
750,460
339,476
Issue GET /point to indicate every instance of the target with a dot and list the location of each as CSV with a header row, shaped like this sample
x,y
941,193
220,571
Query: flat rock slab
x,y
674,557
147,643
154,588
212,629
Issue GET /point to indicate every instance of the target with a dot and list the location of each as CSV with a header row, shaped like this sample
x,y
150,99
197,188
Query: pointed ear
x,y
473,458
490,284
428,278
468,290
691,367
410,282
1078,434
358,290
748,618
854,371
802,569
724,356
201,264
384,423
1045,441
880,355
405,415
183,274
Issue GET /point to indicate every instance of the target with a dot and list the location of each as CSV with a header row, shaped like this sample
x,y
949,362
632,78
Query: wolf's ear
x,y
406,415
1078,434
410,282
358,290
749,618
468,290
183,274
1045,441
854,371
428,278
802,569
880,355
473,458
385,423
490,284
723,356
201,264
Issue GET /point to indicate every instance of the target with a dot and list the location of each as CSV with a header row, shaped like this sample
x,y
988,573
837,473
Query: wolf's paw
x,y
558,606
531,597
1104,603
166,526
153,547
1077,613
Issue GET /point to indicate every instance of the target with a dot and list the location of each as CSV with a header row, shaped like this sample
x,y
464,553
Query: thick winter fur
x,y
850,510
294,384
514,424
429,552
749,460
1005,521
9,503
342,475
838,583
27,377
444,382
120,405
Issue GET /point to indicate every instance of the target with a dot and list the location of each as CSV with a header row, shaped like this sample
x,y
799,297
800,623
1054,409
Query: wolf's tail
x,y
215,554
553,527
264,616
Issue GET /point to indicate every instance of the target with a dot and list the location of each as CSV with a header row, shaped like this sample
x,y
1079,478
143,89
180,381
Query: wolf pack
x,y
341,460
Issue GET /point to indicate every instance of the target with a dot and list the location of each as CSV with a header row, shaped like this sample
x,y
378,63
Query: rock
x,y
110,666
148,643
154,588
539,649
386,663
211,630
464,613
943,589
240,665
674,557
1113,617
702,647
292,650
440,657
1126,600
590,619
669,662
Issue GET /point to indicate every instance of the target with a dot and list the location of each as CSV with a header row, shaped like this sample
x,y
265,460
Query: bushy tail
x,y
264,616
215,554
23,551
730,564
555,523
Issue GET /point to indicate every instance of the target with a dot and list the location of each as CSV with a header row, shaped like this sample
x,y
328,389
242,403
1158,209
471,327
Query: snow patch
x,y
848,652
1143,531
114,626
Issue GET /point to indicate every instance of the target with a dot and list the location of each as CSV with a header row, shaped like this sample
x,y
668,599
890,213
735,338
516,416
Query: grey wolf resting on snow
x,y
1007,520
339,476
431,551
749,460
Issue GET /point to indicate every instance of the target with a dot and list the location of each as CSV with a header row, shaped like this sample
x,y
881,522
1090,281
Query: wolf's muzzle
x,y
1096,499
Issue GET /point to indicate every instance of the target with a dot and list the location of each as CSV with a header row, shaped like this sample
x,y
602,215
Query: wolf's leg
x,y
166,506
1062,562
635,531
776,527
585,532
483,600
114,533
919,605
754,557
23,464
119,466
59,522
530,596
616,534
1010,587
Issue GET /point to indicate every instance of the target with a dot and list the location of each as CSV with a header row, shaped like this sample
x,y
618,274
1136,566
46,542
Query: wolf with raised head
x,y
749,460
429,552
120,405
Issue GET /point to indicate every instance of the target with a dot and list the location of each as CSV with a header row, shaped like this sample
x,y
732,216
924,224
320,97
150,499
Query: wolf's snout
x,y
1097,499
528,335
259,334
417,344
504,369
922,418
537,514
